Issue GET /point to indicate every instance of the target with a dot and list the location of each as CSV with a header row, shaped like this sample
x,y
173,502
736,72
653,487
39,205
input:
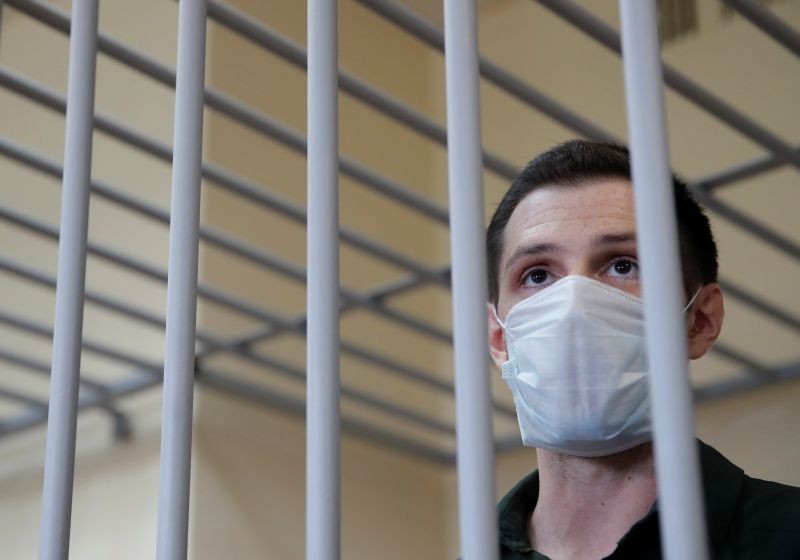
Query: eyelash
x,y
610,266
632,261
527,274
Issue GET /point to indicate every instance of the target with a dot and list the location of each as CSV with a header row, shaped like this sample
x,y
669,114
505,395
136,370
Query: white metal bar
x,y
701,187
322,413
475,449
154,372
599,30
249,28
238,305
65,376
258,122
682,521
176,431
273,399
413,23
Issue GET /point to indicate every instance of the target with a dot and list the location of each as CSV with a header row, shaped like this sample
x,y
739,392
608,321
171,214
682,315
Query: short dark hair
x,y
578,162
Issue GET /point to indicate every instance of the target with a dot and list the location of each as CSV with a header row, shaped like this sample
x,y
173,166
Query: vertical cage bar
x,y
176,431
475,452
683,534
68,323
322,409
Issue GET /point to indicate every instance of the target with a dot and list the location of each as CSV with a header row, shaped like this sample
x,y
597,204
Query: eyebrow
x,y
614,238
550,248
531,250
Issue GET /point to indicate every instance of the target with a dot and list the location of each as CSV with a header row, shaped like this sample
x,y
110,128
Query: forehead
x,y
569,214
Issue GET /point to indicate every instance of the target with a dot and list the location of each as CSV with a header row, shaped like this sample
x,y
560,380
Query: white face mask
x,y
577,368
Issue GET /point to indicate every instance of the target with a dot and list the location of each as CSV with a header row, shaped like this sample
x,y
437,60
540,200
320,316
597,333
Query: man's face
x,y
586,230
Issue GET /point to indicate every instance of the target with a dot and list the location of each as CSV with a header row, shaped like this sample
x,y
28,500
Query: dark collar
x,y
722,484
513,511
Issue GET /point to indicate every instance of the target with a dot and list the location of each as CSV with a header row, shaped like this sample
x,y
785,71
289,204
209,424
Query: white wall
x,y
115,490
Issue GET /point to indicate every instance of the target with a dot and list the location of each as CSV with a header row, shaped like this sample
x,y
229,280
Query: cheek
x,y
633,287
505,295
504,303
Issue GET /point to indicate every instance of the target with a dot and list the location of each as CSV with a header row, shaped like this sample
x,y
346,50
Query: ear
x,y
497,339
705,320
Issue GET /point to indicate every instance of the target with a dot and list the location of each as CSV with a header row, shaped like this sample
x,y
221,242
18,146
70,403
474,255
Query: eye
x,y
624,268
536,277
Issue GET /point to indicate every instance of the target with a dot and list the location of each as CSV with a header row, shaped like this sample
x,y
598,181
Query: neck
x,y
587,504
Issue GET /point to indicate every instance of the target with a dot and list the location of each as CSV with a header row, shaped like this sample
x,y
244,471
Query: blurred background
x,y
399,495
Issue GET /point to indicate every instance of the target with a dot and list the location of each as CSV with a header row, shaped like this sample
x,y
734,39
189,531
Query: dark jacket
x,y
747,518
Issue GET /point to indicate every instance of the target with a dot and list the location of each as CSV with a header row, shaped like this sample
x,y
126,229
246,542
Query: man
x,y
566,329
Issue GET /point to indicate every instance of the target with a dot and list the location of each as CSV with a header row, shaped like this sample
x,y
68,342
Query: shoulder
x,y
749,518
769,506
767,521
752,501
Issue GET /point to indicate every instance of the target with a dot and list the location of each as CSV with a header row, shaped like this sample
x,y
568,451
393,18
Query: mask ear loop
x,y
508,368
688,305
497,318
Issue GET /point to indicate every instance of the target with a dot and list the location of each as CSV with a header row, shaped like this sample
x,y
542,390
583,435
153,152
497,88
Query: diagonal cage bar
x,y
52,18
235,110
377,296
43,368
227,382
31,90
759,304
295,373
768,162
9,78
268,39
608,37
19,397
748,382
213,344
417,26
120,420
279,324
741,172
783,153
276,365
43,331
114,392
768,22
724,210
221,177
144,366
224,383
753,367
753,226
264,397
